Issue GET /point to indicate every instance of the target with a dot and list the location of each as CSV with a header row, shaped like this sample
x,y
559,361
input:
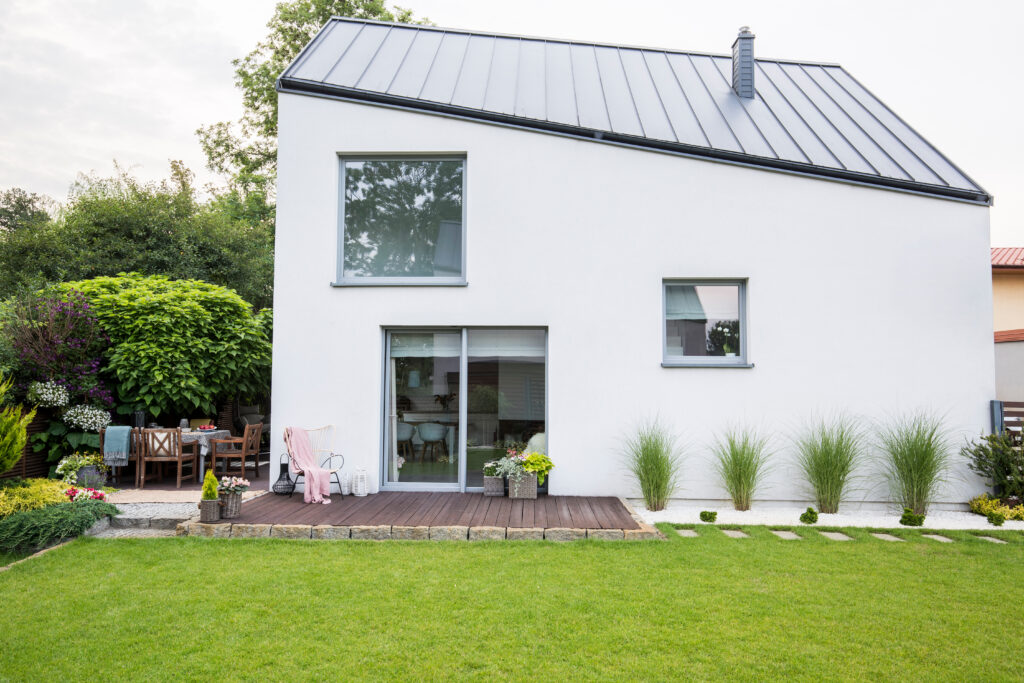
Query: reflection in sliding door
x,y
506,399
423,408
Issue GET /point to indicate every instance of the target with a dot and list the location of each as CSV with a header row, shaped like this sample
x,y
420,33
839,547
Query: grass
x,y
741,460
916,459
827,455
652,456
706,608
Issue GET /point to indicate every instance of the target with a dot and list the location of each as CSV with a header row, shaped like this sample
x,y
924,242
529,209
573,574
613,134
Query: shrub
x,y
911,518
916,459
983,505
178,345
26,531
996,518
741,463
809,517
708,516
652,456
19,495
13,426
828,453
995,458
210,486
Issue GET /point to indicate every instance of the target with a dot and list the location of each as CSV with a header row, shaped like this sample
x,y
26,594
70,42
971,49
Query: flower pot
x,y
209,511
90,477
232,505
494,486
523,486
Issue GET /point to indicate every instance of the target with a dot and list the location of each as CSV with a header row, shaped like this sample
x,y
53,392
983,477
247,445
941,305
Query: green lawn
x,y
712,607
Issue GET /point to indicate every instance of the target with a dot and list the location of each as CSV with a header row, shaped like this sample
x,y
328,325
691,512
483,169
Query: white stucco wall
x,y
860,300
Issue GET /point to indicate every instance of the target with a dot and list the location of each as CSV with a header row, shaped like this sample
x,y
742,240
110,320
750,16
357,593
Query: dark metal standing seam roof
x,y
808,118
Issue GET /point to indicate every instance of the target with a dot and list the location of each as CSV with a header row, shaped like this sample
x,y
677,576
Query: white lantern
x,y
359,482
346,484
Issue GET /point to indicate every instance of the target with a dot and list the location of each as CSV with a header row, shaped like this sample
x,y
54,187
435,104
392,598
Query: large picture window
x,y
705,323
402,221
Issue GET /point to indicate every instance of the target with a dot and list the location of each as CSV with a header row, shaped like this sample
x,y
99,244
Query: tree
x,y
13,426
178,346
117,224
22,210
246,151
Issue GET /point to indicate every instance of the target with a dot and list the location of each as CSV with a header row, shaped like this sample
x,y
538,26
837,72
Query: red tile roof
x,y
1008,257
1009,336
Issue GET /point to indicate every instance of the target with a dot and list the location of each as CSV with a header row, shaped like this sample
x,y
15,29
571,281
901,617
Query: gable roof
x,y
1008,257
807,118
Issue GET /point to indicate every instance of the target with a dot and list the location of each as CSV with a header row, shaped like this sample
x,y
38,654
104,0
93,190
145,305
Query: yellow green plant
x,y
539,464
983,505
30,494
210,486
13,426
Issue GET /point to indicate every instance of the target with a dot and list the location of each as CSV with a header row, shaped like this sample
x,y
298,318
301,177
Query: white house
x,y
483,238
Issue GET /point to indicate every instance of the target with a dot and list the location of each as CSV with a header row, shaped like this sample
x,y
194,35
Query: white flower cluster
x,y
86,418
47,395
724,330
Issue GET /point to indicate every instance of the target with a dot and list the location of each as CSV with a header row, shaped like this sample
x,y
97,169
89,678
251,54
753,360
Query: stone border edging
x,y
411,533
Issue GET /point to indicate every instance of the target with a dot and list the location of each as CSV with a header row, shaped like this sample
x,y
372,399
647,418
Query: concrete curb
x,y
193,527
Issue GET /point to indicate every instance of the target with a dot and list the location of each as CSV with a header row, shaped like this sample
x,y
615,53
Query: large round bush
x,y
178,345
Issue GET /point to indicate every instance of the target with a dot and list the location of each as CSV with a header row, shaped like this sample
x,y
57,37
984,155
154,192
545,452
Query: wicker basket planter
x,y
523,486
232,505
494,486
209,511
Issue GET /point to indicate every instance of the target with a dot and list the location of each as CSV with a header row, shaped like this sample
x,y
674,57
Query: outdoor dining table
x,y
203,438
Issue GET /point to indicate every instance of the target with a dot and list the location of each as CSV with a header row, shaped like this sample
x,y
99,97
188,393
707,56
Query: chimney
x,y
743,63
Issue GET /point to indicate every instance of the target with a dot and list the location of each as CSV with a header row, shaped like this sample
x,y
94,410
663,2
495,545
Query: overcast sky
x,y
87,82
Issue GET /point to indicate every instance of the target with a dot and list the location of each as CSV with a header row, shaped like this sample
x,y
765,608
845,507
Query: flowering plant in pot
x,y
83,469
494,482
209,506
524,471
230,490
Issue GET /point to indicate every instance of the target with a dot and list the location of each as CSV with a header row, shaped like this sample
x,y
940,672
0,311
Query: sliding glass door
x,y
455,399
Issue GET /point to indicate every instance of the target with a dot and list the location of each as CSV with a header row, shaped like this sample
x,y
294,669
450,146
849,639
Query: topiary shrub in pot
x,y
209,506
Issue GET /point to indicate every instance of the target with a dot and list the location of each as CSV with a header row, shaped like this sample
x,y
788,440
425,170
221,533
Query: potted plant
x,y
524,471
209,506
84,469
230,490
494,483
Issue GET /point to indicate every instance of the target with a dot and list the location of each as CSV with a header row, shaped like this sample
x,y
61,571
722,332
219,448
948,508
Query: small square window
x,y
705,322
402,221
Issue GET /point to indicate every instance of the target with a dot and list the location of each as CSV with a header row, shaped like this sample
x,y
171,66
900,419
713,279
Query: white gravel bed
x,y
164,510
686,512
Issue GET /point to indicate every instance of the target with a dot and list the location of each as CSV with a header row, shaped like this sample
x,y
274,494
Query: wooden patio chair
x,y
134,452
163,446
320,440
240,448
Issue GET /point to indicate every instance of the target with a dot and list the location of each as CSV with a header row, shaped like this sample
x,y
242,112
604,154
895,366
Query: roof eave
x,y
289,84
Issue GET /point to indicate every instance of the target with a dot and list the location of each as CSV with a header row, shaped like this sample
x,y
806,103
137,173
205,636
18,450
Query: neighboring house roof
x,y
808,118
1009,336
1008,257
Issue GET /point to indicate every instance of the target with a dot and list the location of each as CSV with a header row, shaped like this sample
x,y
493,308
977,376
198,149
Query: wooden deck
x,y
442,509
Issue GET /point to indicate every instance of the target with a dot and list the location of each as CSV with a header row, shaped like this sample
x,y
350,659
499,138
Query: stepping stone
x,y
990,539
835,536
785,535
936,537
734,533
887,537
687,533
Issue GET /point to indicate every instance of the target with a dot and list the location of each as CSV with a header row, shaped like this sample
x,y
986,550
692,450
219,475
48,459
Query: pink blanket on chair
x,y
318,480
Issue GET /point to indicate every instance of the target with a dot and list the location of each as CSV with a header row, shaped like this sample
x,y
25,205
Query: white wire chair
x,y
321,440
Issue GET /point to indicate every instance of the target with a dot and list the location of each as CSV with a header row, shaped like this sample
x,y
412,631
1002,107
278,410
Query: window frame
x,y
405,281
741,360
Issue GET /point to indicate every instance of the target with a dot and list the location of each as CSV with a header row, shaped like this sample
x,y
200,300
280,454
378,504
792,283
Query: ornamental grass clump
x,y
916,454
741,460
827,455
653,457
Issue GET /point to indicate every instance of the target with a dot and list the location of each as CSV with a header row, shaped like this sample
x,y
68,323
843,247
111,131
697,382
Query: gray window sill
x,y
682,364
417,282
